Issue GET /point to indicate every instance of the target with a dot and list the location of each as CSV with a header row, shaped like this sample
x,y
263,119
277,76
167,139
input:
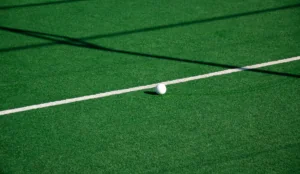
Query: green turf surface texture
x,y
246,122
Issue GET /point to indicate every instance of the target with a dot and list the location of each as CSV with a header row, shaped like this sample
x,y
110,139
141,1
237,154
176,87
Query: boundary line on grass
x,y
139,88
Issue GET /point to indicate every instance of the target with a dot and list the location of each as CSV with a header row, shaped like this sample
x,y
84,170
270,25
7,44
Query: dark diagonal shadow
x,y
80,43
161,27
37,4
182,24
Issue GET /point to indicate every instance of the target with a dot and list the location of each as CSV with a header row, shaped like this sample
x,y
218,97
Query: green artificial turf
x,y
247,122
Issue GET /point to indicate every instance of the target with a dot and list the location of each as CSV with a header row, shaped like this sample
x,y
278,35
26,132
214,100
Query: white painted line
x,y
139,88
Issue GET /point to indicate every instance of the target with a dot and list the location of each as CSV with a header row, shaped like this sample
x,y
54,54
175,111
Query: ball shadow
x,y
150,93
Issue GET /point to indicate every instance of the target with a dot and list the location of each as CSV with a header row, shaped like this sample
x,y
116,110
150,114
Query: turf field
x,y
243,122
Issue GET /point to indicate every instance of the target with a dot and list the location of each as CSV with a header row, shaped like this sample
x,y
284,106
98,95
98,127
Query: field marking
x,y
139,88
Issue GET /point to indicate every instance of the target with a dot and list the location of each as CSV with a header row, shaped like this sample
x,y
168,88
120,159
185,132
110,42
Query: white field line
x,y
139,88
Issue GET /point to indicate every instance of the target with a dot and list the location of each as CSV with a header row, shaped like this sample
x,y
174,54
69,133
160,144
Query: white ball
x,y
161,89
